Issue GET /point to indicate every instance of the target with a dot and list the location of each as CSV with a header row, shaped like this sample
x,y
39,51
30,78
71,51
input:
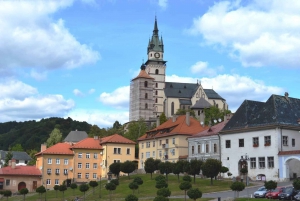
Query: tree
x,y
127,167
17,147
133,186
56,188
177,169
163,192
41,190
194,193
186,178
214,113
150,166
131,198
7,194
54,137
160,198
237,187
110,187
136,129
23,192
224,170
32,153
162,118
93,184
185,185
115,182
270,185
139,181
165,168
195,166
63,188
83,188
115,168
117,125
161,184
211,168
95,131
160,177
186,167
8,157
157,162
73,186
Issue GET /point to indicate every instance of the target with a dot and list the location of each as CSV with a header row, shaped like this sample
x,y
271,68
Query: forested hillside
x,y
31,134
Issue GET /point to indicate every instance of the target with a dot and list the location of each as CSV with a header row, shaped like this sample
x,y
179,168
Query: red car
x,y
274,193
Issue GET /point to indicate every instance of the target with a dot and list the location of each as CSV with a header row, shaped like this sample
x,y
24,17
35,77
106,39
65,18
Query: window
x,y
95,155
57,171
142,145
156,85
293,142
193,150
156,71
167,141
66,161
271,162
228,145
56,182
252,163
48,171
160,153
172,108
79,155
255,142
173,140
153,143
207,148
142,155
49,160
199,148
215,148
153,154
79,175
7,182
285,140
95,165
87,175
87,165
145,84
117,150
159,142
87,155
128,151
48,182
146,96
241,142
156,92
155,100
267,140
57,161
117,161
146,106
94,175
261,161
147,144
147,154
79,165
65,171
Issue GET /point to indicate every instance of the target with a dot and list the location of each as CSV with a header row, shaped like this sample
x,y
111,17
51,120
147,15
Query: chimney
x,y
13,163
43,147
202,118
174,118
225,118
187,118
9,163
157,121
95,137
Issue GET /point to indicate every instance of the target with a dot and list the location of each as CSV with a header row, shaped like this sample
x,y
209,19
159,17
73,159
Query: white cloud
x,y
201,67
119,98
91,91
176,78
33,39
19,102
103,119
38,75
163,3
259,33
77,92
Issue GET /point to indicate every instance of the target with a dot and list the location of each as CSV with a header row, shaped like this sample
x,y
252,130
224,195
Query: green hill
x,y
31,134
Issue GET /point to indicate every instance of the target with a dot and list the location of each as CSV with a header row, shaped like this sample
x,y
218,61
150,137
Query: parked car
x,y
287,194
261,192
297,197
274,193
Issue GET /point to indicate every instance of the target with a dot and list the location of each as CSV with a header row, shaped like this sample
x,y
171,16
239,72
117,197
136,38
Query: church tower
x,y
156,68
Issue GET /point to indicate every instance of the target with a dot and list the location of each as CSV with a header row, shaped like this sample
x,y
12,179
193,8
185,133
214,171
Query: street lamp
x,y
100,187
109,176
244,165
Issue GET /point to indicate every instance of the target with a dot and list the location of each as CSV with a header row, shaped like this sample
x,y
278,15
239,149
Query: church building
x,y
151,95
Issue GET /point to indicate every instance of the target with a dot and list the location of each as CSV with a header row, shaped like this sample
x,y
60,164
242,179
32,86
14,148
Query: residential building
x,y
75,136
151,95
167,141
264,137
15,177
20,157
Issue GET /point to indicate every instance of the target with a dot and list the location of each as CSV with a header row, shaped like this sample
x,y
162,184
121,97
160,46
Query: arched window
x,y
155,92
198,112
146,106
207,148
150,55
156,85
172,108
146,95
146,84
156,71
156,100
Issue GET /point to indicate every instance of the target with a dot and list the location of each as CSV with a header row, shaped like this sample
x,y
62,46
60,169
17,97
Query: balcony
x,y
165,146
166,157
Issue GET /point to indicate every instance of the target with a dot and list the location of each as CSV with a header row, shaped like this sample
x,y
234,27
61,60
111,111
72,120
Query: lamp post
x,y
244,165
100,187
109,176
46,192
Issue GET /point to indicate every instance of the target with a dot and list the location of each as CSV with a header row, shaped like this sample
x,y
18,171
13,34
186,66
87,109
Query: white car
x,y
261,192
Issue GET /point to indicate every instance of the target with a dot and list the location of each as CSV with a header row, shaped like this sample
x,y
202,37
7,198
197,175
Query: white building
x,y
268,134
21,157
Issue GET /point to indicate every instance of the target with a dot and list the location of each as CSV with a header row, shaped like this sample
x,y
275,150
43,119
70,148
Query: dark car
x,y
287,194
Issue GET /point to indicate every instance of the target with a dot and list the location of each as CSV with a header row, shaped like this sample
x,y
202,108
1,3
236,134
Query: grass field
x,y
147,190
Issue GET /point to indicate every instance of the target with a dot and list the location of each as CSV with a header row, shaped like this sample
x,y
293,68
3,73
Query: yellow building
x,y
168,141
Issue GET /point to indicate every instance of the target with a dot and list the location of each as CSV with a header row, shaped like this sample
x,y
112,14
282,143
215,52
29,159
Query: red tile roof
x,y
289,152
143,74
88,143
214,130
21,170
179,127
58,149
116,138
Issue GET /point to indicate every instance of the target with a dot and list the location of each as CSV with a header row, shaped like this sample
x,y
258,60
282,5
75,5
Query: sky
x,y
76,58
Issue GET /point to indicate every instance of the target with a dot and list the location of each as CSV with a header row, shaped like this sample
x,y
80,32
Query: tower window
x,y
146,95
156,71
146,106
150,55
156,100
155,92
172,108
156,85
146,84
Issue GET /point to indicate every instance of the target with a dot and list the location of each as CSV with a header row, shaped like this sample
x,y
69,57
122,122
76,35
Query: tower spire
x,y
155,30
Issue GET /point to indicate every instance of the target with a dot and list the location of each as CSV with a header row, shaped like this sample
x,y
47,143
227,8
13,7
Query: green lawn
x,y
146,191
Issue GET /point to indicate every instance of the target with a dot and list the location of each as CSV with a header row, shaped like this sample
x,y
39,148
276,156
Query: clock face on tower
x,y
156,55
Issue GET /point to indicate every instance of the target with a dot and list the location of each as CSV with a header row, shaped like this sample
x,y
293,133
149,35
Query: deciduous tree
x,y
270,185
237,187
54,137
194,193
133,186
115,168
185,185
56,188
83,188
136,129
211,168
163,192
7,193
73,186
131,198
17,147
165,168
150,166
110,187
63,188
195,166
23,192
93,184
127,167
162,118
